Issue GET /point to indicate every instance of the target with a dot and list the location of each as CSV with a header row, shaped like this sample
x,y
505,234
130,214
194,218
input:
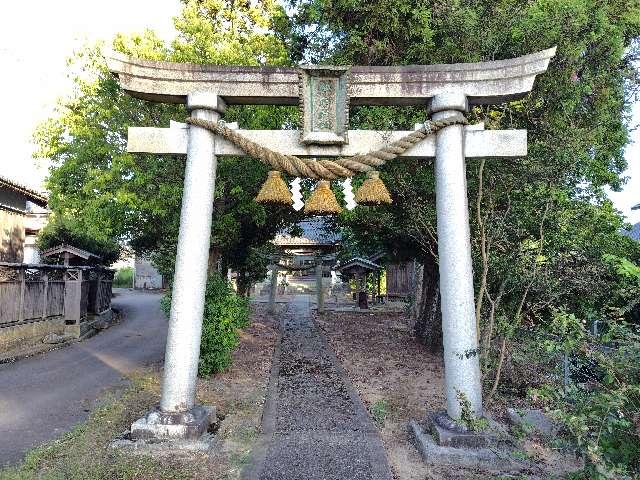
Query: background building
x,y
16,204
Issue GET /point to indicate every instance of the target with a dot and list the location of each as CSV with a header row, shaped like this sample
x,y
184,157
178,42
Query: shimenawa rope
x,y
325,169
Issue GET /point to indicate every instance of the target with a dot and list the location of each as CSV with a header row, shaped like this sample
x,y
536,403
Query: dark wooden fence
x,y
30,293
400,279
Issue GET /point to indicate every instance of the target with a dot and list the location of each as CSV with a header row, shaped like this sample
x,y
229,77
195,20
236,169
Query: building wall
x,y
11,236
35,220
146,276
31,254
400,279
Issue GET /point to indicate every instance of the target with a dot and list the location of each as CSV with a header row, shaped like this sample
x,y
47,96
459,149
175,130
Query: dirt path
x,y
314,424
47,394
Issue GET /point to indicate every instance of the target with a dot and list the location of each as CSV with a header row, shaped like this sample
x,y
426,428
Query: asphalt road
x,y
43,396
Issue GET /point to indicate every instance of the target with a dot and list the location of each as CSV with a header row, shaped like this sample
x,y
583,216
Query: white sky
x,y
36,37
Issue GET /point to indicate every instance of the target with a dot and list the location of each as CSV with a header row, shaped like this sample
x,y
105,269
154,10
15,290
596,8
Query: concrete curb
x,y
268,420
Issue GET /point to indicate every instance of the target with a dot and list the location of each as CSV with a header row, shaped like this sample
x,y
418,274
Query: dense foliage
x,y
135,199
123,278
225,313
543,229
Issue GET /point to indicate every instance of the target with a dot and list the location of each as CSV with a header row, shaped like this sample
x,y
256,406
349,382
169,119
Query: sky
x,y
37,36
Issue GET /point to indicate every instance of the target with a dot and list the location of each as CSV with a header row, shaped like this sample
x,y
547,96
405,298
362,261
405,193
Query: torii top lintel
x,y
483,82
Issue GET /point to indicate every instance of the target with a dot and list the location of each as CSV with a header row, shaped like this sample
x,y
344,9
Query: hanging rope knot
x,y
326,169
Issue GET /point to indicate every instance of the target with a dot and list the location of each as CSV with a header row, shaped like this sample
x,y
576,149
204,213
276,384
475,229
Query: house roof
x,y
359,262
78,252
634,232
32,195
314,232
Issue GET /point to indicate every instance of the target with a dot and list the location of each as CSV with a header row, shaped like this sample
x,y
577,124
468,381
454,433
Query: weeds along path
x,y
314,424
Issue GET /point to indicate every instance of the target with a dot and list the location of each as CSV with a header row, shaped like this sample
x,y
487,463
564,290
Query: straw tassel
x,y
322,201
373,191
274,190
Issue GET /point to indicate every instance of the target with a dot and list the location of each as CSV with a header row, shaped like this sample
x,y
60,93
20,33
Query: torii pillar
x,y
448,89
459,334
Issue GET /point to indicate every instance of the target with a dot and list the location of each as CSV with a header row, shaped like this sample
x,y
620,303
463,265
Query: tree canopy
x,y
100,189
539,213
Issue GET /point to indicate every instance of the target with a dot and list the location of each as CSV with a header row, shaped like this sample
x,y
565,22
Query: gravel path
x,y
45,395
314,424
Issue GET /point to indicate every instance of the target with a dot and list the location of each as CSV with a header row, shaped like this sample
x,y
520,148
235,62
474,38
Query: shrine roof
x,y
315,232
359,262
78,252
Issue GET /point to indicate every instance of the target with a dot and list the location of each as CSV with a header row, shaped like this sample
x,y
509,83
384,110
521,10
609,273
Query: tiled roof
x,y
360,262
314,232
32,195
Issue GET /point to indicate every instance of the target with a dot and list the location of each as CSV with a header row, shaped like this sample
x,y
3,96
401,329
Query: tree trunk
x,y
428,322
242,284
214,256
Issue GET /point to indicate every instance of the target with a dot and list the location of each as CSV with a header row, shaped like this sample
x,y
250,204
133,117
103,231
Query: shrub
x,y
224,313
600,409
123,278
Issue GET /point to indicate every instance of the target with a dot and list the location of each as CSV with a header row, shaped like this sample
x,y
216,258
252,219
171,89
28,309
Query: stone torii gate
x,y
447,90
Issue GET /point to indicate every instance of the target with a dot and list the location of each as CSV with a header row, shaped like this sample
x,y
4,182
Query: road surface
x,y
43,396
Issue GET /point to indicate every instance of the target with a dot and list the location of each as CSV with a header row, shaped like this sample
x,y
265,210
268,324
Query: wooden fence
x,y
400,279
31,293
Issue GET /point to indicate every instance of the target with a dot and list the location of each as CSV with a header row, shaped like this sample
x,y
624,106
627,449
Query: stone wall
x,y
23,336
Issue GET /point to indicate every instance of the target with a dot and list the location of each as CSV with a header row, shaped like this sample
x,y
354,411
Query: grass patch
x,y
380,410
83,453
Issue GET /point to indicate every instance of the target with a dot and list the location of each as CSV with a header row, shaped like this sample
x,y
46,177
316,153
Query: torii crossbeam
x,y
447,90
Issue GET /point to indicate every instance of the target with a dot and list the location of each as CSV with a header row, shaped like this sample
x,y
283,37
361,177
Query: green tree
x,y
64,231
576,117
136,199
542,226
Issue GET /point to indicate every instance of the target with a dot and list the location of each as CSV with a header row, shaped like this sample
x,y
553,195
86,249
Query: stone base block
x,y
21,336
158,425
442,444
532,421
448,433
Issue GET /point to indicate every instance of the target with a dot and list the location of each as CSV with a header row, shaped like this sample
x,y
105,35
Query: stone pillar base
x,y
448,433
159,425
441,441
